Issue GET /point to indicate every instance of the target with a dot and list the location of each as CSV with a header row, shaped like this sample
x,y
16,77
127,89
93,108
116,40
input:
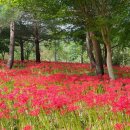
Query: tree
x,y
24,32
89,47
82,10
104,11
8,16
98,54
41,11
36,40
11,48
99,16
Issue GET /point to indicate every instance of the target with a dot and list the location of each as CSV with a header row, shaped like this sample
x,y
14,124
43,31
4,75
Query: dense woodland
x,y
101,28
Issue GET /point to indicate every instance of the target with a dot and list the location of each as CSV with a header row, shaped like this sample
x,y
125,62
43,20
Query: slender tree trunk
x,y
82,52
27,55
3,55
90,51
11,47
55,51
105,55
106,39
98,54
22,50
36,35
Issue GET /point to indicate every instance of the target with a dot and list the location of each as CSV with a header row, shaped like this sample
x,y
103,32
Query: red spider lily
x,y
51,86
28,127
34,112
123,104
119,126
72,107
1,115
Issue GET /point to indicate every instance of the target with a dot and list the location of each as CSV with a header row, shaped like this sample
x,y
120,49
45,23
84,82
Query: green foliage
x,y
28,47
67,52
4,47
8,14
4,42
121,56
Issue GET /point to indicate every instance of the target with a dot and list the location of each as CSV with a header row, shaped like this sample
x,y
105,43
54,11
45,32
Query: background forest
x,y
61,28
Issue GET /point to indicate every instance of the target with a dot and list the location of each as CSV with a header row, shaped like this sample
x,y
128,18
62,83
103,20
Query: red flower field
x,y
63,96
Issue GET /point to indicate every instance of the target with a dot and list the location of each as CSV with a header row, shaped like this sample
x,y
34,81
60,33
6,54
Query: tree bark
x,y
106,39
90,51
3,55
22,50
105,55
36,37
82,52
55,51
98,55
11,46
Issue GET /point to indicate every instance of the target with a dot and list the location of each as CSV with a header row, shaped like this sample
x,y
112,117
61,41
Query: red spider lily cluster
x,y
31,88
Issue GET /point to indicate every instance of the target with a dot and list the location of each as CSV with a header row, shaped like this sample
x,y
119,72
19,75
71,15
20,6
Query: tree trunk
x,y
82,52
106,39
98,55
27,55
11,47
36,35
3,55
55,51
90,51
22,50
105,55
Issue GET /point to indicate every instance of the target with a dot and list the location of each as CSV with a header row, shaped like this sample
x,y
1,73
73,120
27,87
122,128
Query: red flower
x,y
34,112
71,107
28,127
119,126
